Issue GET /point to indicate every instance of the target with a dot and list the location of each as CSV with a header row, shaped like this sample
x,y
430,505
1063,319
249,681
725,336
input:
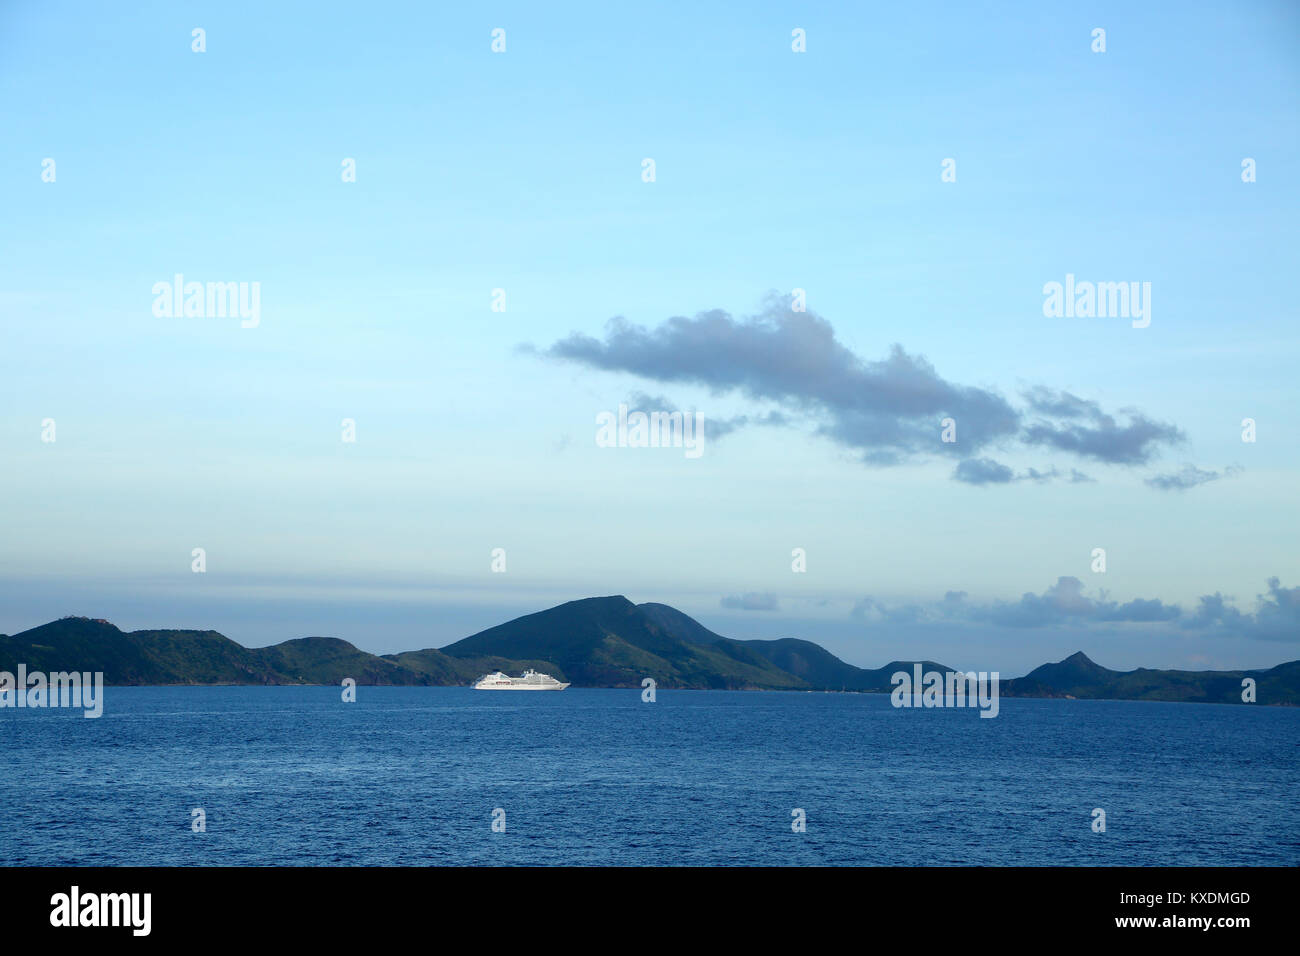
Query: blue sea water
x,y
411,776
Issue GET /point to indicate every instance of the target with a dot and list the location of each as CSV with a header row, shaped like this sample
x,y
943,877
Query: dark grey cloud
x,y
887,408
1074,476
1213,611
887,411
1189,477
983,471
1056,404
1065,601
953,599
751,601
1084,429
1276,616
870,608
986,471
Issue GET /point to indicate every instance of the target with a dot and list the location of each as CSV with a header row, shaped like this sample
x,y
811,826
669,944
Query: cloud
x,y
869,608
1276,616
1085,430
887,411
891,406
1189,477
986,471
1060,404
714,428
1214,611
1065,602
751,601
983,471
953,601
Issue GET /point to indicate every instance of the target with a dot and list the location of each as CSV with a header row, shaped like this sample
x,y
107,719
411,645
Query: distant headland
x,y
595,642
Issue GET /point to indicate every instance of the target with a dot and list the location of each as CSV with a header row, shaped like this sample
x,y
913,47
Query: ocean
x,y
418,776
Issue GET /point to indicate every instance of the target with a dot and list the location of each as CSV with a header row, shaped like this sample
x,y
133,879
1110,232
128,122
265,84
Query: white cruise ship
x,y
530,681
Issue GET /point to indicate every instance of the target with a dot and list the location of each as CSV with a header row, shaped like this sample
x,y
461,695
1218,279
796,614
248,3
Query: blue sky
x,y
522,171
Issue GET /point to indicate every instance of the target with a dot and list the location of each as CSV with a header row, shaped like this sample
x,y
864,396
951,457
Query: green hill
x,y
1080,677
192,657
815,666
328,660
611,642
595,642
79,643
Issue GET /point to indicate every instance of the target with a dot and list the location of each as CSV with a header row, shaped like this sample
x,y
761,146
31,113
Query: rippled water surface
x,y
292,775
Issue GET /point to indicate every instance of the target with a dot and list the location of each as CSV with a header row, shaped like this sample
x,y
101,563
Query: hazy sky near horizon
x,y
522,171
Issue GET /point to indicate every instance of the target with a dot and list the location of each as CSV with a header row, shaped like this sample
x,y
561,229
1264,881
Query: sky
x,y
838,250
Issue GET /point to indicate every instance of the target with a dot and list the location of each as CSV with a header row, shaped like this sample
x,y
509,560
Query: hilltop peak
x,y
613,600
80,624
315,641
